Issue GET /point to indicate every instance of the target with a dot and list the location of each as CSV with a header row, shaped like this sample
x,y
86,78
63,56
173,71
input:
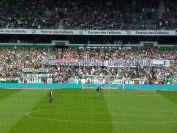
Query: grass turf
x,y
80,111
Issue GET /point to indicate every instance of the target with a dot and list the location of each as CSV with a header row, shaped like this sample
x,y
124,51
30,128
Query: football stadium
x,y
89,66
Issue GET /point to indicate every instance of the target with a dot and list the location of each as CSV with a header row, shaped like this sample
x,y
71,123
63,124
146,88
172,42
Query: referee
x,y
98,91
50,96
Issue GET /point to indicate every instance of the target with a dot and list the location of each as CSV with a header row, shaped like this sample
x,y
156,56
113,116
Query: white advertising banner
x,y
90,32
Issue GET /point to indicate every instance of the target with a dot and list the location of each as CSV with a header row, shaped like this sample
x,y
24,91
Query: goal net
x,y
105,82
103,86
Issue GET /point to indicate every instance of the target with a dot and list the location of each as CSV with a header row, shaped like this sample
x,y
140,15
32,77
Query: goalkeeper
x,y
98,91
51,96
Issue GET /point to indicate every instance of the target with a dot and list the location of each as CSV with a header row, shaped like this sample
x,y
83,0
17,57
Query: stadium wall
x,y
90,86
40,86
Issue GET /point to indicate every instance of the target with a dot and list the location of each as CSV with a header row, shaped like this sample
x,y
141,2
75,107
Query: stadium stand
x,y
12,63
98,15
87,15
122,15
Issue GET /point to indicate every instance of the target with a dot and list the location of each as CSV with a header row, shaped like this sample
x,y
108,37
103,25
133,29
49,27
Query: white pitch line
x,y
117,122
125,95
141,109
101,122
28,114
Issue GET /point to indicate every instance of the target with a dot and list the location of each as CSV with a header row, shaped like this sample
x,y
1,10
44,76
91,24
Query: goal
x,y
103,86
105,82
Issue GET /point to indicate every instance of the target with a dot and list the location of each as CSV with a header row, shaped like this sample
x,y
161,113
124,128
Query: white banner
x,y
90,32
36,80
43,70
35,75
108,63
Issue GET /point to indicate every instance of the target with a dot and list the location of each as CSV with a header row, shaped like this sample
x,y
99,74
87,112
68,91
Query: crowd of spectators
x,y
13,60
31,14
89,14
123,15
169,17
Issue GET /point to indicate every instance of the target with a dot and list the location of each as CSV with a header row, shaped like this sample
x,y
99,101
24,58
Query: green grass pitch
x,y
80,111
